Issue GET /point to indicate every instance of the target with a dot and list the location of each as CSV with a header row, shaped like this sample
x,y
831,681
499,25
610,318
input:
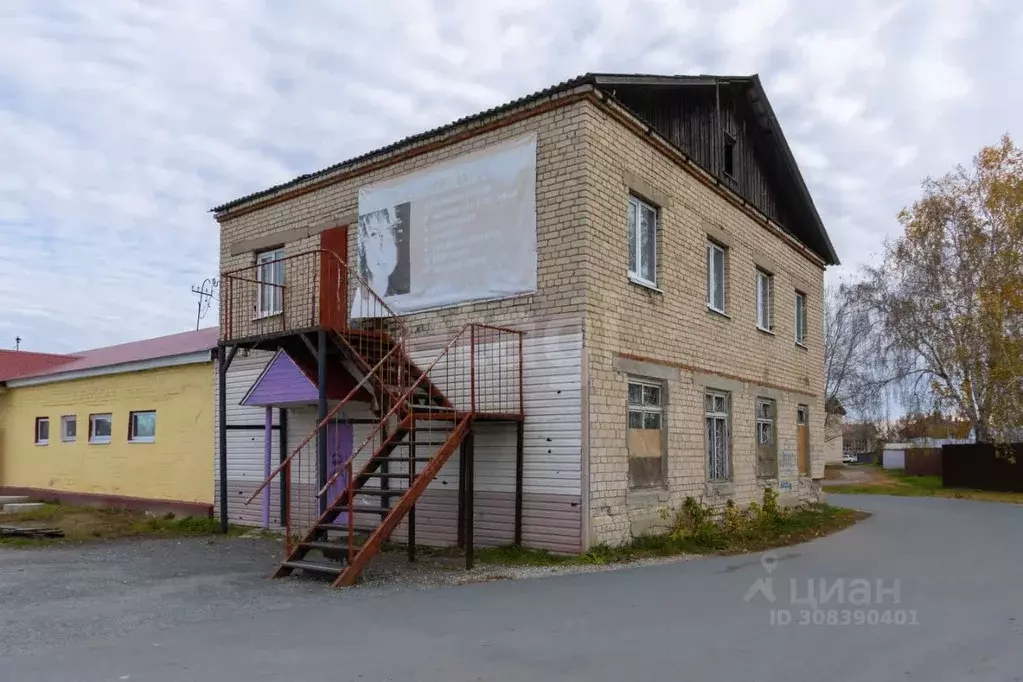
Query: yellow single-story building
x,y
126,426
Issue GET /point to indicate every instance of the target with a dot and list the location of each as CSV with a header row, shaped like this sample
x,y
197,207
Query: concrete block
x,y
12,499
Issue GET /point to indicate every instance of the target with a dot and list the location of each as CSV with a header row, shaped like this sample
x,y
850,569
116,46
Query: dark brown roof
x,y
762,106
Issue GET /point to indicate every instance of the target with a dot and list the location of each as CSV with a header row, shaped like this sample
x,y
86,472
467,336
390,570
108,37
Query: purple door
x,y
339,450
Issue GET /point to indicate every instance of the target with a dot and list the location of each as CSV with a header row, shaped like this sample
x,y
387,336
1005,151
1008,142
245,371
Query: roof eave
x,y
831,257
586,81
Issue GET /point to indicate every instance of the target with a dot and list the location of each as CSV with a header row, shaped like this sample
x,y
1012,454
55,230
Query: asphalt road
x,y
957,615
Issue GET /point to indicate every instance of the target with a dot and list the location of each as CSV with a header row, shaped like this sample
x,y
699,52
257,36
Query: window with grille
x,y
719,465
646,433
767,447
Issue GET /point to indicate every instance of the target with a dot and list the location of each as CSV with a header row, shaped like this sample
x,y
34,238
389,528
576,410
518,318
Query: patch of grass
x,y
896,482
698,530
83,524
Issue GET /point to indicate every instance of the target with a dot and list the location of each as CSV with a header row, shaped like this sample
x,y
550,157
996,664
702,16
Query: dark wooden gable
x,y
702,117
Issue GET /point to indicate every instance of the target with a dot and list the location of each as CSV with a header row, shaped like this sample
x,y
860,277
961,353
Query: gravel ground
x,y
53,596
953,564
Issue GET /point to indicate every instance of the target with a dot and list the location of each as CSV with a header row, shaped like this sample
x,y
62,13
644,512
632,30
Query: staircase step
x,y
400,459
343,528
380,492
313,567
446,416
330,546
362,509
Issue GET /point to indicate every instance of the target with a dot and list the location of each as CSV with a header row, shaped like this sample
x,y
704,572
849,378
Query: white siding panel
x,y
245,454
552,463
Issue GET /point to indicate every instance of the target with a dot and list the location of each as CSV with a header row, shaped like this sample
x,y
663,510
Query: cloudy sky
x,y
123,121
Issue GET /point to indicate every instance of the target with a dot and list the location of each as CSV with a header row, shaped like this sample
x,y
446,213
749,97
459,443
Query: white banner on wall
x,y
461,230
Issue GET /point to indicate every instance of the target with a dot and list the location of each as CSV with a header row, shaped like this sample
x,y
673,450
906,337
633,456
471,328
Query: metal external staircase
x,y
421,416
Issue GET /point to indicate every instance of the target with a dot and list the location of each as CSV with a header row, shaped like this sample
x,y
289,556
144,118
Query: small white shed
x,y
894,455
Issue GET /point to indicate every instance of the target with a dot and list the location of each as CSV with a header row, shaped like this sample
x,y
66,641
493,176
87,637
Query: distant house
x,y
833,438
860,438
128,425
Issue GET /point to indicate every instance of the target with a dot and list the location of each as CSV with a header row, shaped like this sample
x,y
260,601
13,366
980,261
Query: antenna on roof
x,y
17,343
206,293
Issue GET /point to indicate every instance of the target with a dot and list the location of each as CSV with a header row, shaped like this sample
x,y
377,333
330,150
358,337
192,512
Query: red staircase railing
x,y
478,372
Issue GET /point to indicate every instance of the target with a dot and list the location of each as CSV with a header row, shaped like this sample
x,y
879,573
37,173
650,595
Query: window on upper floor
x,y
42,432
800,318
728,152
270,291
642,222
716,269
645,439
765,300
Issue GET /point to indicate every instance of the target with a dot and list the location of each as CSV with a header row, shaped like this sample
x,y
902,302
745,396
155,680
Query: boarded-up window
x,y
719,465
646,433
767,446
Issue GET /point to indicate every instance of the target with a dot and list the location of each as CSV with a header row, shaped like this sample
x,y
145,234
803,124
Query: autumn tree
x,y
849,377
947,298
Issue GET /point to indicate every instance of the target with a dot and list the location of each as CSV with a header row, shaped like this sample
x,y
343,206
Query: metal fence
x,y
983,466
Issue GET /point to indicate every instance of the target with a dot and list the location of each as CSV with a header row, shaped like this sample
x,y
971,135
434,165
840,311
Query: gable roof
x,y
186,343
20,363
605,82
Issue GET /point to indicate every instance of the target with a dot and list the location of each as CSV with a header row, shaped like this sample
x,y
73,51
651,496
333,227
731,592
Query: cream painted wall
x,y
177,466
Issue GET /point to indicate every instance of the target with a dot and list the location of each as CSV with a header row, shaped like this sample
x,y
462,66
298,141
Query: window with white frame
x,y
100,428
767,446
270,273
715,277
642,241
719,445
645,433
142,426
765,300
68,428
800,318
42,433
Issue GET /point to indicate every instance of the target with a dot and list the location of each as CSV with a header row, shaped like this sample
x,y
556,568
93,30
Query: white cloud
x,y
121,122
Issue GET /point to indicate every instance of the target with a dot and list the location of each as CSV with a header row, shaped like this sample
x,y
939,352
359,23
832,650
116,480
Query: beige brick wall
x,y
560,233
694,348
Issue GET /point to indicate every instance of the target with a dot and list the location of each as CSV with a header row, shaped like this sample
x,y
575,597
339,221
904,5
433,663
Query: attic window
x,y
728,164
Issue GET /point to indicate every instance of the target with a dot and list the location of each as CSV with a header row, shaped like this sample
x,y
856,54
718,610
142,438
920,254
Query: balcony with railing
x,y
297,293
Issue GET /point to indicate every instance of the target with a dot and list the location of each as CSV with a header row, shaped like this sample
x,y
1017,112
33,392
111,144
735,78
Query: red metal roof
x,y
20,363
135,351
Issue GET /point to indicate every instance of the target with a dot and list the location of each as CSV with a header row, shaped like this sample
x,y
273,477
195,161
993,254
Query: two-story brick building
x,y
640,267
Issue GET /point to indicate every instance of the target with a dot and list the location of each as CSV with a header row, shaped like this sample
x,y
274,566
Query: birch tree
x,y
947,298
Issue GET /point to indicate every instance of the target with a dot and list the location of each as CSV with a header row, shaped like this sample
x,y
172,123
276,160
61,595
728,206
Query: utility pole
x,y
205,292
